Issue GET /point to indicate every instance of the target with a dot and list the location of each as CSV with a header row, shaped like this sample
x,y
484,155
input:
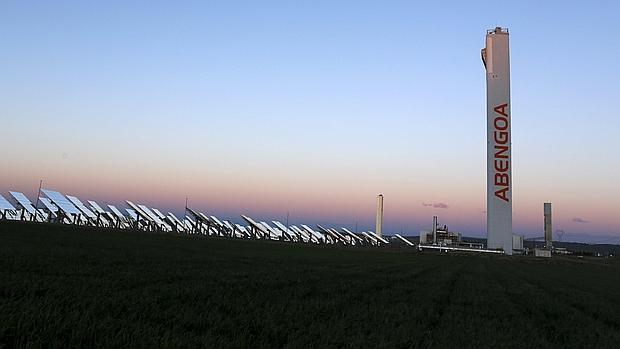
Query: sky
x,y
313,108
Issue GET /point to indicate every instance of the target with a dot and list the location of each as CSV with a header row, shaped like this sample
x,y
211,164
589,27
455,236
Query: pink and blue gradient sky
x,y
312,108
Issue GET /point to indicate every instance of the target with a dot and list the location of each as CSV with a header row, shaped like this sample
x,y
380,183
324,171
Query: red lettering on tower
x,y
501,109
501,158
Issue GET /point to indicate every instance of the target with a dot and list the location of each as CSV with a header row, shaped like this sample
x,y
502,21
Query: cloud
x,y
579,220
435,205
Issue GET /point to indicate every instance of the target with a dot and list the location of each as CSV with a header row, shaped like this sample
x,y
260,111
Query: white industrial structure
x,y
517,242
379,221
440,235
496,59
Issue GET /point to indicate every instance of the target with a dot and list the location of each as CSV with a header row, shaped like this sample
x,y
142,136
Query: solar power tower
x,y
496,59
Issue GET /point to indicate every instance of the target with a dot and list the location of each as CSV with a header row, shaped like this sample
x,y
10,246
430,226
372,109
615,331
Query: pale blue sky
x,y
391,92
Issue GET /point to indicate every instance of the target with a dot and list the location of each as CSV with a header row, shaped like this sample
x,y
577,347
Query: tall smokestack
x,y
379,221
548,226
496,59
435,224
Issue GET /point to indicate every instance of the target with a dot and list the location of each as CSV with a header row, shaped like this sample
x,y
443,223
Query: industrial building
x,y
517,242
440,236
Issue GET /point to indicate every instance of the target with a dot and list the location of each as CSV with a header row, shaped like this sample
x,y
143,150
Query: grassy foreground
x,y
82,287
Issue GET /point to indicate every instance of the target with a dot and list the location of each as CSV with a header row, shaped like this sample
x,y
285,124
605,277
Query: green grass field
x,y
64,286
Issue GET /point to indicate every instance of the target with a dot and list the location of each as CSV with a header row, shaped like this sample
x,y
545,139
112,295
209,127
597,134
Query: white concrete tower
x,y
496,60
548,226
379,221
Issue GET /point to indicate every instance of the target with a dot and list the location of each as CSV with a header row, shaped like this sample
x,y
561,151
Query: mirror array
x,y
55,207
